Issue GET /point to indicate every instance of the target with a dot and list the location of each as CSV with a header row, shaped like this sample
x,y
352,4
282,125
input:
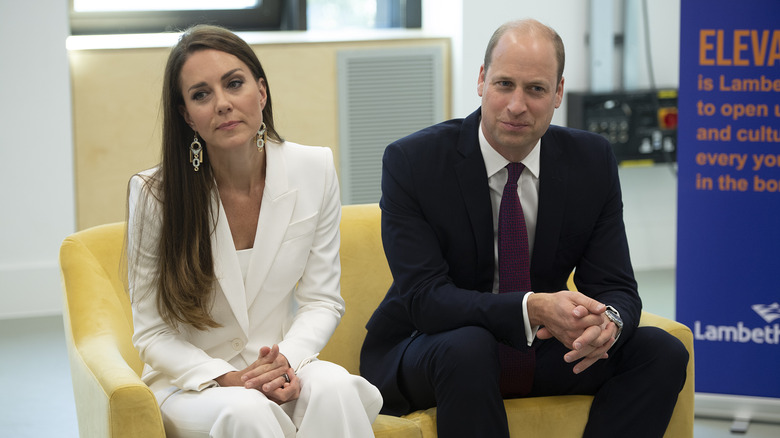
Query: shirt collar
x,y
494,162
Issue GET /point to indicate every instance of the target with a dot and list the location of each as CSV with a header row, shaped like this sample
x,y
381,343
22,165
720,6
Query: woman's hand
x,y
232,378
289,391
267,372
267,375
272,375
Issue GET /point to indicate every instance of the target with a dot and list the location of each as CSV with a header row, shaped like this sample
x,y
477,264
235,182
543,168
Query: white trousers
x,y
332,403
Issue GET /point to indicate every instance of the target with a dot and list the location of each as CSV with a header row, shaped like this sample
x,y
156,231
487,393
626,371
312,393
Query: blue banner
x,y
728,245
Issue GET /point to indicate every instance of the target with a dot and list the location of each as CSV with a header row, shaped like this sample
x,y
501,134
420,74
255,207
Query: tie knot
x,y
515,169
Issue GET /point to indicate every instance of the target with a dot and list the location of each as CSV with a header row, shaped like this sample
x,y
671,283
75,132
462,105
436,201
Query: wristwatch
x,y
614,316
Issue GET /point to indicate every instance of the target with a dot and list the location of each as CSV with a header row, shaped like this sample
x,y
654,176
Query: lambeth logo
x,y
741,333
769,312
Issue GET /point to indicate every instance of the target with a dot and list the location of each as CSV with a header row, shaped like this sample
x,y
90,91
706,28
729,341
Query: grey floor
x,y
37,396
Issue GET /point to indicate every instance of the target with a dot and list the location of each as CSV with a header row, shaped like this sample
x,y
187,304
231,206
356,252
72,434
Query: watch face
x,y
612,315
615,318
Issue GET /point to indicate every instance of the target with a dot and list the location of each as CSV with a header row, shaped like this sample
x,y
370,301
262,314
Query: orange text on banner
x,y
750,47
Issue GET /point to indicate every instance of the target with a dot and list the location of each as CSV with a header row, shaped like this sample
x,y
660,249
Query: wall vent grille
x,y
384,94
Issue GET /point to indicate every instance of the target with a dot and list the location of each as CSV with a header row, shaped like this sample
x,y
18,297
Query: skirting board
x,y
762,409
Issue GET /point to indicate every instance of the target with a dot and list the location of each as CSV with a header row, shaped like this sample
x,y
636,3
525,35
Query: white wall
x,y
649,194
36,155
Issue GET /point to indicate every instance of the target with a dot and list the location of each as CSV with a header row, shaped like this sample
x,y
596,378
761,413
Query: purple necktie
x,y
514,263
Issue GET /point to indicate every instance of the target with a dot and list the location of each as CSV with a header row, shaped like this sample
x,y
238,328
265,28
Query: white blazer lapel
x,y
227,269
275,214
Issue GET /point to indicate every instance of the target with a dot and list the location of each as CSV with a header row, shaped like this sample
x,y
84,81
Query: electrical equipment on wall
x,y
641,125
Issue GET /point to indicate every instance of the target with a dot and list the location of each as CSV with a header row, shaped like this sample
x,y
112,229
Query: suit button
x,y
237,344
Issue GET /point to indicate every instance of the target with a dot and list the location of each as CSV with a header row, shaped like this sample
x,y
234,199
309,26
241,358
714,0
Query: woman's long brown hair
x,y
186,278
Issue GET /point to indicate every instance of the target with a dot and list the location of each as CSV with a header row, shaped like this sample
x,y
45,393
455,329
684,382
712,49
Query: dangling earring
x,y
196,153
261,136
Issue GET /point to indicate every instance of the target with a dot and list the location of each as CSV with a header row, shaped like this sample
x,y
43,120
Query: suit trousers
x,y
635,389
332,403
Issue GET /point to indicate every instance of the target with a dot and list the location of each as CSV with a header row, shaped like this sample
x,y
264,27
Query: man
x,y
462,304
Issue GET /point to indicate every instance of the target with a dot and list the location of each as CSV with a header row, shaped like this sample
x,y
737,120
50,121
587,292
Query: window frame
x,y
268,15
399,14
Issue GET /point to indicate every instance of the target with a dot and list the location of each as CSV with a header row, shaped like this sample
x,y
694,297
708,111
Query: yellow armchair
x,y
112,401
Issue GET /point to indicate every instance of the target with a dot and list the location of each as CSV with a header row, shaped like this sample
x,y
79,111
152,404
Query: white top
x,y
244,255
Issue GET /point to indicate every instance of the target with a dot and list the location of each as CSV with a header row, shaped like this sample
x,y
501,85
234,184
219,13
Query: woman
x,y
234,261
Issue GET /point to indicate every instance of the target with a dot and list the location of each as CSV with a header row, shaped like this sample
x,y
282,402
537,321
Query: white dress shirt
x,y
527,190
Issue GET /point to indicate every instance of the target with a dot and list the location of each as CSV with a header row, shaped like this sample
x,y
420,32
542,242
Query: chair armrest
x,y
112,399
681,424
678,330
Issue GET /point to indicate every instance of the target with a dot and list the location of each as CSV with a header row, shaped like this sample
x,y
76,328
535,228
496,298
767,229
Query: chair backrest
x,y
96,301
365,278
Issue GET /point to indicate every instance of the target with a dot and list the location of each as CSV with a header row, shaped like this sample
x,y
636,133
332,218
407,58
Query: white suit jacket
x,y
292,294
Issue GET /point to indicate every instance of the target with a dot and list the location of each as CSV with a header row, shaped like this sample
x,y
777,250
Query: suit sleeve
x,y
604,271
426,244
318,293
160,346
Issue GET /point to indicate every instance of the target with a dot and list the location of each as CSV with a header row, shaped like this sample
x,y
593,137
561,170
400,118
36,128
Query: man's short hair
x,y
528,26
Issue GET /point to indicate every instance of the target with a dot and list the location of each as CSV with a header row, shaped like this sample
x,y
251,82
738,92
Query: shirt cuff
x,y
530,332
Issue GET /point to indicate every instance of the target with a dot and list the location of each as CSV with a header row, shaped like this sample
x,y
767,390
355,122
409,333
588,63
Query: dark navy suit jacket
x,y
437,231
